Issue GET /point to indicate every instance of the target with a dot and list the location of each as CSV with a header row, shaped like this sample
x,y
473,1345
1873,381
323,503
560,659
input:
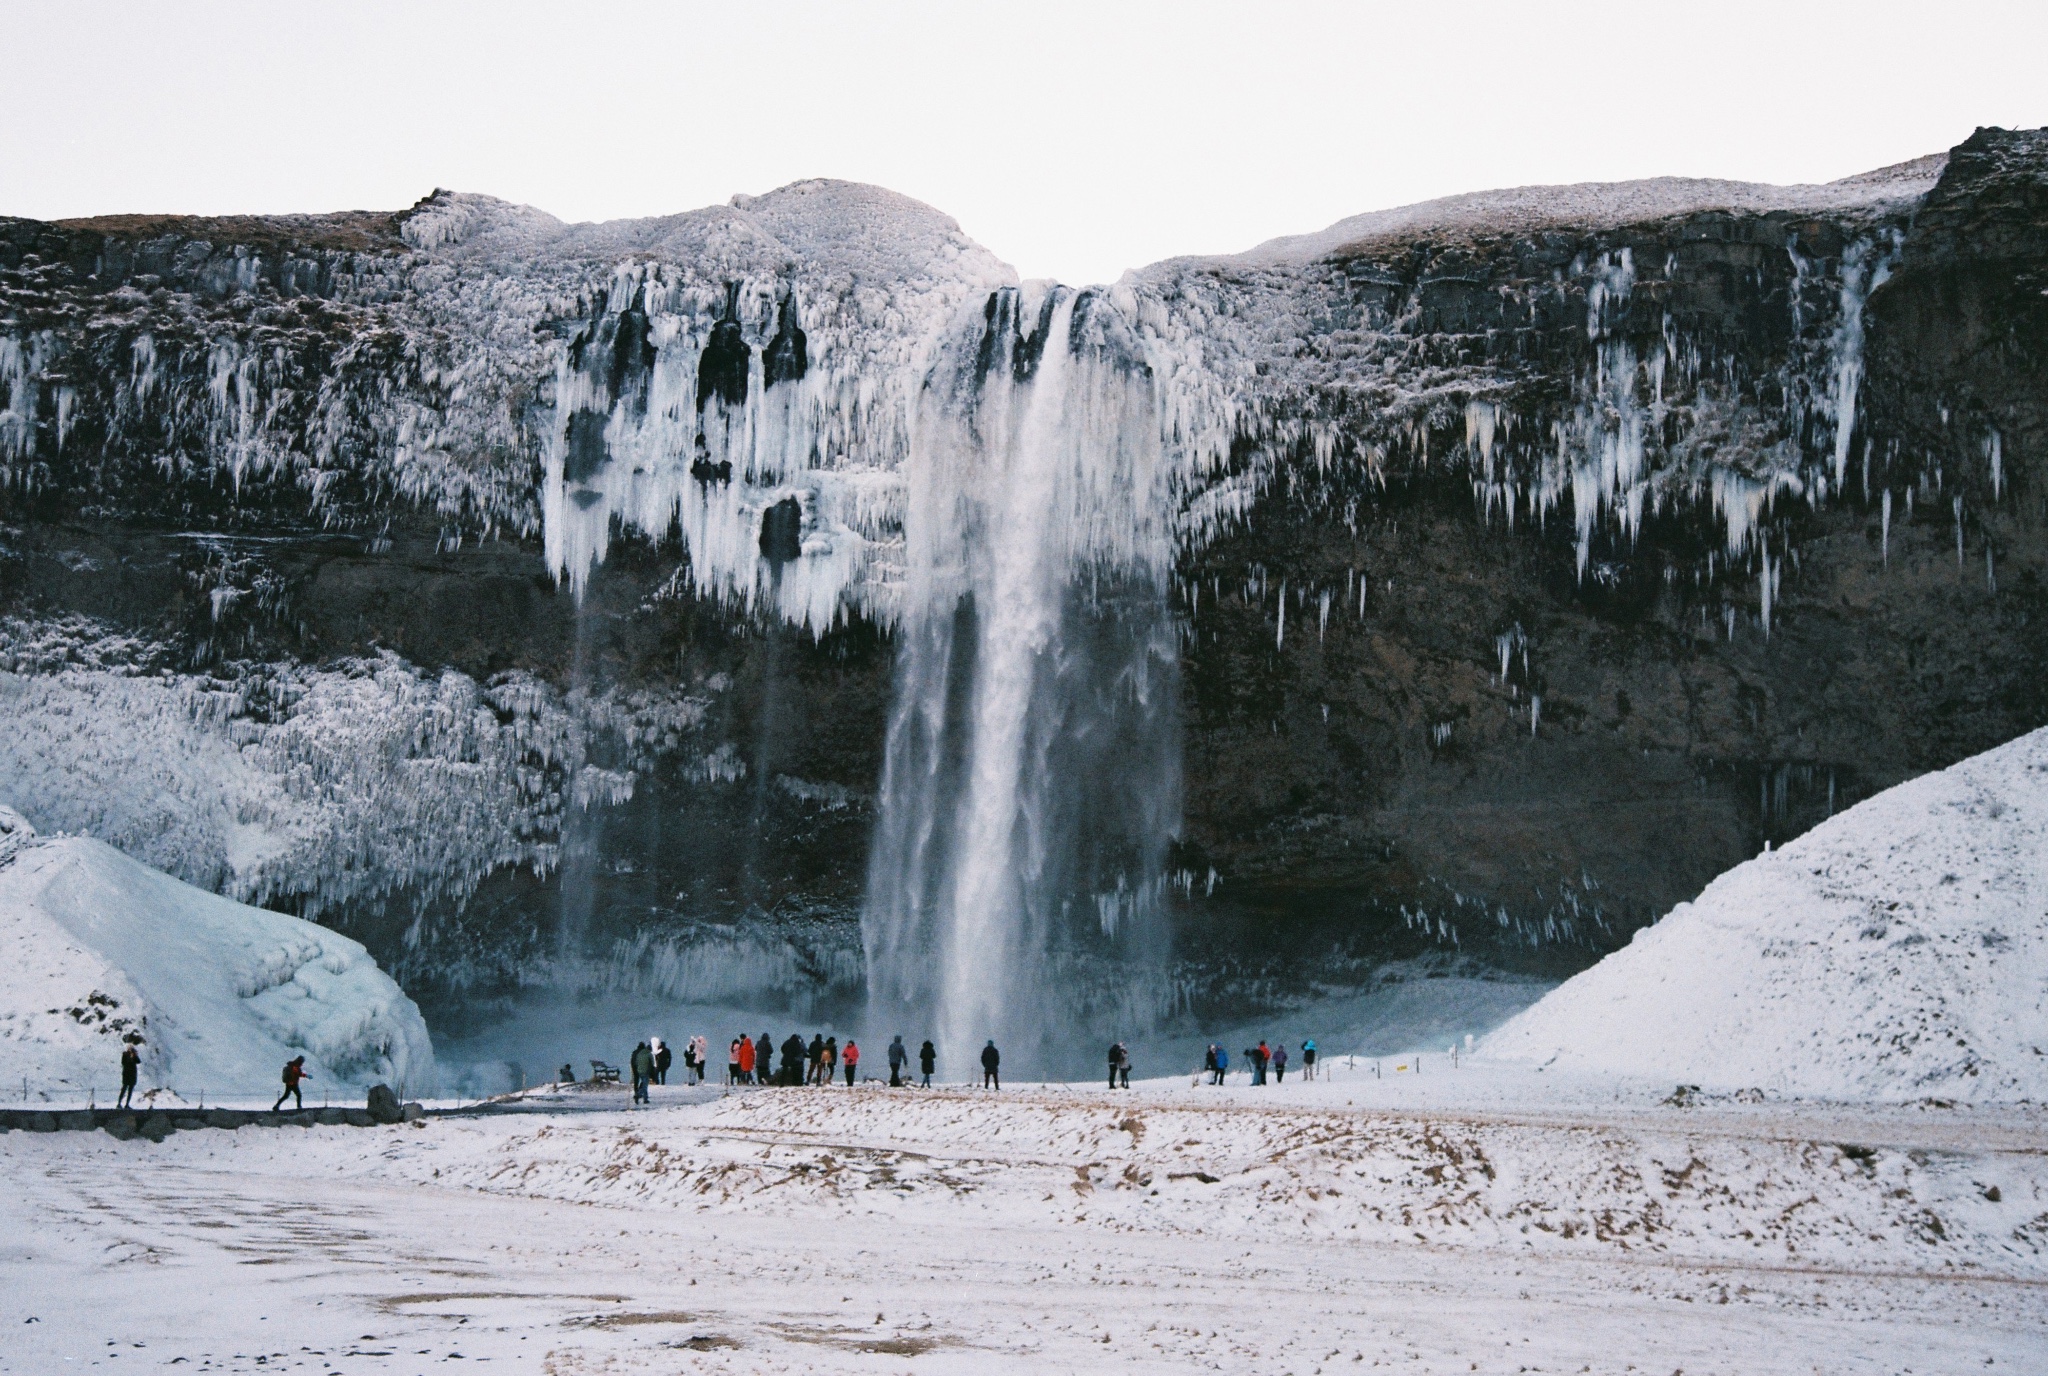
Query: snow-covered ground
x,y
99,947
1896,951
1343,1225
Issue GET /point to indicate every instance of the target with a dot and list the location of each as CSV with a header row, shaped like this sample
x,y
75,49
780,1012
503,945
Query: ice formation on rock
x,y
348,787
1896,951
103,949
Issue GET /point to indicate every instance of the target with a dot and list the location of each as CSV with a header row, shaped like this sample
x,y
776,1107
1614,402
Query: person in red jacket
x,y
850,1058
294,1075
746,1050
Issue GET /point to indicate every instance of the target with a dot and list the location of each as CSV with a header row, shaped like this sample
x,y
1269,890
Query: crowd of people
x,y
824,1060
749,1061
1260,1060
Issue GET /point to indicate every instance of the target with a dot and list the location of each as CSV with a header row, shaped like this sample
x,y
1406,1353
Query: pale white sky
x,y
1075,140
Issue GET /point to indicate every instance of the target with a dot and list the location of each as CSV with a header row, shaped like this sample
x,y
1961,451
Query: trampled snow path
x,y
1068,1229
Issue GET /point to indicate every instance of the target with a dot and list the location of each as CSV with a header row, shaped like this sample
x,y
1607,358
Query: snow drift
x,y
1896,951
99,947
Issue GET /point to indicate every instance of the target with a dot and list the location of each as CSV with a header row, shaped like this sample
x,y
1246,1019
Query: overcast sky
x,y
1076,140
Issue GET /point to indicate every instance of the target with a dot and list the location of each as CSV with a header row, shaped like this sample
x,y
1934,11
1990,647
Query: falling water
x,y
1031,780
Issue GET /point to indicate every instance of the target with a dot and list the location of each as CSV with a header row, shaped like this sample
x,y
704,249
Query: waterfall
x,y
1031,781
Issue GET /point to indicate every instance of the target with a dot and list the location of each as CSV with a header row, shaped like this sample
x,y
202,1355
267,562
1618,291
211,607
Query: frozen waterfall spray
x,y
1031,783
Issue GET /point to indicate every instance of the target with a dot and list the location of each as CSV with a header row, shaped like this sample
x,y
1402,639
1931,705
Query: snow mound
x,y
1597,206
96,947
1896,951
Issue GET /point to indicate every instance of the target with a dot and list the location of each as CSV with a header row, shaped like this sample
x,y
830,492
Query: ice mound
x,y
95,946
1897,951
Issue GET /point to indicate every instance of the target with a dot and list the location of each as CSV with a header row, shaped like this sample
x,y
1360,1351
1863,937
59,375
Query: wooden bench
x,y
603,1073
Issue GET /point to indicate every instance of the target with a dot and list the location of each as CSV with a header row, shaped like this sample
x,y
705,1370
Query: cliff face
x,y
529,599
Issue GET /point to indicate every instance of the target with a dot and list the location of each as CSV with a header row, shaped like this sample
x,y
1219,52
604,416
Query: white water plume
x,y
1032,779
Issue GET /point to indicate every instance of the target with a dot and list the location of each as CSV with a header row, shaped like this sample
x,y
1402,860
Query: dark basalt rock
x,y
785,359
722,367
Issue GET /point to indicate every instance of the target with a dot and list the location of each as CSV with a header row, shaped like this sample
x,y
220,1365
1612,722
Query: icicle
x,y
1767,581
1994,450
1884,538
1280,635
1535,711
1323,615
1959,530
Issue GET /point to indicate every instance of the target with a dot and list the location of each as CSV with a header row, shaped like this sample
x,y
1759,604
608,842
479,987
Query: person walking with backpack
x,y
927,1061
898,1058
131,1062
850,1058
991,1066
642,1065
294,1075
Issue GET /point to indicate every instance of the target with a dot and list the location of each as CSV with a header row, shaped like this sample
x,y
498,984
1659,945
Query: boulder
x,y
384,1106
120,1127
331,1117
414,1113
223,1118
76,1120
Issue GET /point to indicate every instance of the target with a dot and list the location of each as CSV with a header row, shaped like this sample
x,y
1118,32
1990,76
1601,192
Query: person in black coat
x,y
663,1058
991,1059
927,1061
792,1060
764,1060
131,1061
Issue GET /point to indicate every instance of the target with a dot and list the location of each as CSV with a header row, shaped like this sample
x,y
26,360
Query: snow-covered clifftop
x,y
99,948
1897,951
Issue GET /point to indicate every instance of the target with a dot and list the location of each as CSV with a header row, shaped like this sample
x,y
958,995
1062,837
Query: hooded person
x,y
927,1061
793,1061
294,1076
131,1063
663,1059
764,1060
991,1066
642,1065
899,1056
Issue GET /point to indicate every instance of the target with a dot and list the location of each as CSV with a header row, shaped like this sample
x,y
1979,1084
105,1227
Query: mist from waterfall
x,y
1031,783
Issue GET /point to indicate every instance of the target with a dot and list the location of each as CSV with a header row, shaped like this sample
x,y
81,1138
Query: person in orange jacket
x,y
294,1075
850,1058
